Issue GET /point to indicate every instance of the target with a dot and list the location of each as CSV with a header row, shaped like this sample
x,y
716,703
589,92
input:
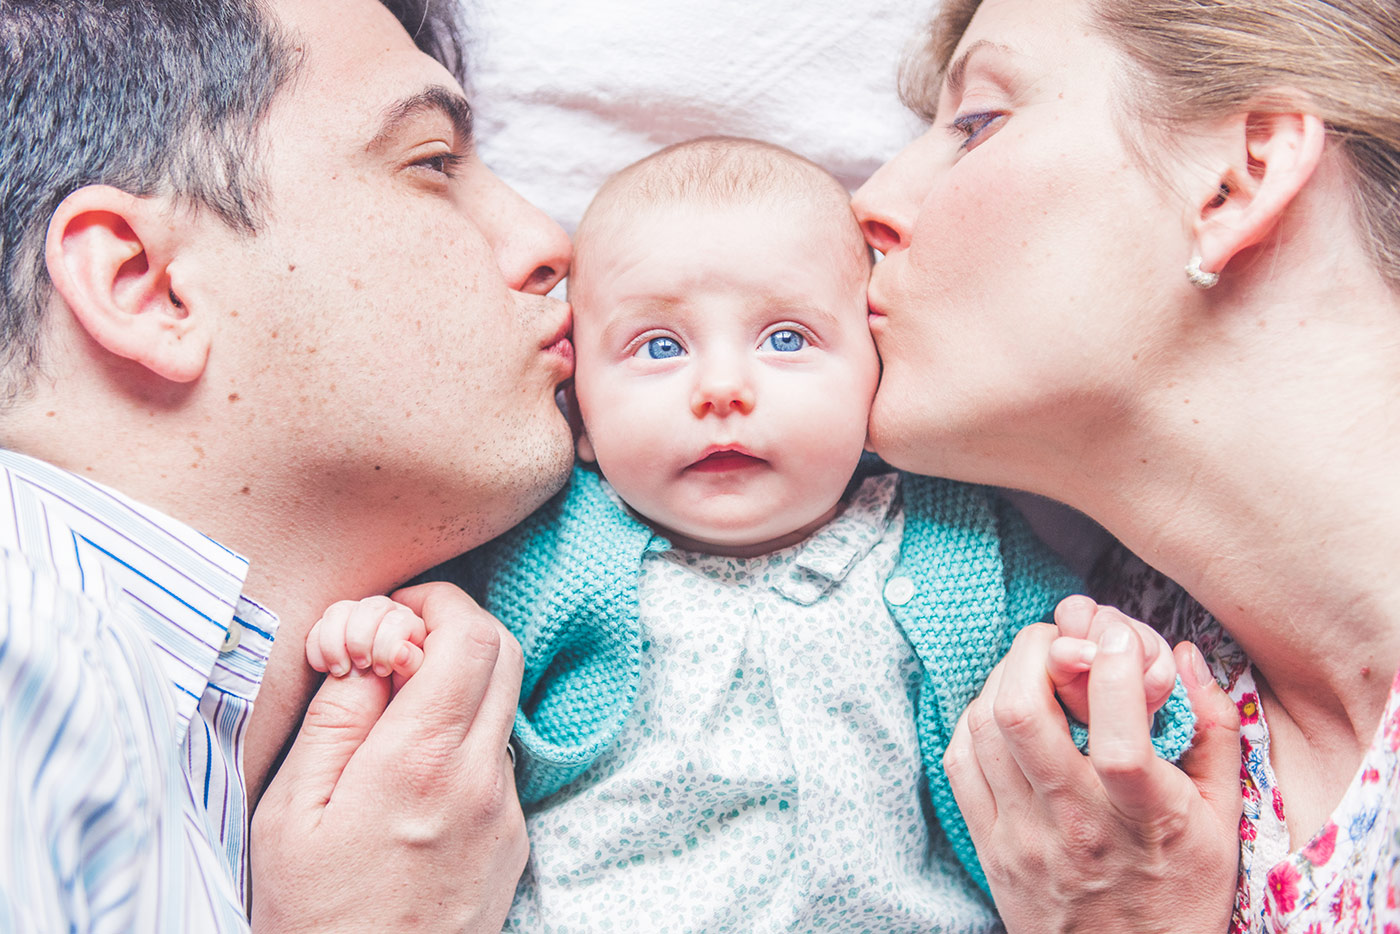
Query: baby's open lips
x,y
719,460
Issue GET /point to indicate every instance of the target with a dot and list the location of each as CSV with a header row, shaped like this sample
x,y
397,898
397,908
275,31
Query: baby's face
x,y
725,369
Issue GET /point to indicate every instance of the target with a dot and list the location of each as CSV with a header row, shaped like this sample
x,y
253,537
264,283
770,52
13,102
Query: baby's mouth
x,y
722,461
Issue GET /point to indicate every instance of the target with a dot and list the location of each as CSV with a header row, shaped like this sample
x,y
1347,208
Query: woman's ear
x,y
1272,156
110,257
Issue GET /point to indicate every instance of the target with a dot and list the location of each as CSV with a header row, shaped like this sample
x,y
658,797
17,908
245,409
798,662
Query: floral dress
x,y
1347,877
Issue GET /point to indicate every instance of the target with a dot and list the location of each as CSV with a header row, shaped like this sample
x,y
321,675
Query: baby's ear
x,y
568,402
585,448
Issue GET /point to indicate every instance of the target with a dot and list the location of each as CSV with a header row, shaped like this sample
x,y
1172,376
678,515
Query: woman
x,y
1147,261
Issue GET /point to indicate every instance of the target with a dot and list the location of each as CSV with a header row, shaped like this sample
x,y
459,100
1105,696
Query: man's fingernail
x,y
1115,639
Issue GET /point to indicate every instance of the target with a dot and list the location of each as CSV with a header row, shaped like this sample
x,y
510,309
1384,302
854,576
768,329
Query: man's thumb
x,y
1213,761
337,721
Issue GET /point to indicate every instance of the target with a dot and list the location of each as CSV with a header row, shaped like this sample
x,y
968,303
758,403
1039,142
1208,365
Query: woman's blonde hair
x,y
1202,59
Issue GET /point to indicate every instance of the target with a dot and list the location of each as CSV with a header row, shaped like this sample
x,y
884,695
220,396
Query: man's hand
x,y
402,815
1114,841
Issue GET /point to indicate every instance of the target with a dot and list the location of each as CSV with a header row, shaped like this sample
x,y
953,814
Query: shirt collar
x,y
179,585
825,558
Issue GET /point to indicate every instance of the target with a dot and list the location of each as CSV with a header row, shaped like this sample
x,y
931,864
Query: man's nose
x,y
722,389
532,251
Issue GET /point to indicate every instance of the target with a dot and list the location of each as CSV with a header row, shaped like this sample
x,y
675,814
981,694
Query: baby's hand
x,y
1081,621
374,632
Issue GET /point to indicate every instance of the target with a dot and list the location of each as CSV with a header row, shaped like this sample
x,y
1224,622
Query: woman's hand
x,y
1113,841
1081,622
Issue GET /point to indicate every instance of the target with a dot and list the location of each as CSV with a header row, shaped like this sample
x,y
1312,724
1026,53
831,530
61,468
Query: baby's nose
x,y
722,394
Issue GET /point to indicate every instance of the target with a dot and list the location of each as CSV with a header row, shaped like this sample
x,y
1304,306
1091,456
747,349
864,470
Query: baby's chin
x,y
732,543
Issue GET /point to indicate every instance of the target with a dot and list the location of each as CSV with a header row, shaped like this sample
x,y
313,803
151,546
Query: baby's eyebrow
x,y
626,313
806,313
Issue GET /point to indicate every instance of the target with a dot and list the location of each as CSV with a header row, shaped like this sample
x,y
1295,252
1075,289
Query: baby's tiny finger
x,y
360,631
314,656
1074,615
1154,647
400,625
1068,658
408,660
1159,679
331,637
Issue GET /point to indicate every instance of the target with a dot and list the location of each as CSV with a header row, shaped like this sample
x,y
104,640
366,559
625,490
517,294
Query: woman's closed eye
x,y
973,128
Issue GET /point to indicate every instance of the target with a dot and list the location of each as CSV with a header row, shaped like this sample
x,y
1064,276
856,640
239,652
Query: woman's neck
x,y
1273,496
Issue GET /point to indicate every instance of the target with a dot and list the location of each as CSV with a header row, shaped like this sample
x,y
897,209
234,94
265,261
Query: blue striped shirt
x,y
129,663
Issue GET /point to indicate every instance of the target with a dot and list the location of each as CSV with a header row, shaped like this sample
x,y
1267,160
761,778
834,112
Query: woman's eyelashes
x,y
972,128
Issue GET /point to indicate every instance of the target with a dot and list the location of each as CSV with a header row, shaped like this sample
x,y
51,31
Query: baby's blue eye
x,y
663,348
786,341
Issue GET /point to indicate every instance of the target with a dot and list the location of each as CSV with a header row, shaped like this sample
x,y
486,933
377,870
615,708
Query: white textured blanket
x,y
568,93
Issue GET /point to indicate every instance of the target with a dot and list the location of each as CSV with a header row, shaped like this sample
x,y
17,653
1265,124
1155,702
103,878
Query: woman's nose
x,y
888,203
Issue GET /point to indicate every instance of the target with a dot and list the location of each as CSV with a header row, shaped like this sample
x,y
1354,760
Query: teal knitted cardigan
x,y
565,583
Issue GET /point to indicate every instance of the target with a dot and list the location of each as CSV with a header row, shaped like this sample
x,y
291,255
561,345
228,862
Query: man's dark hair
x,y
149,96
436,27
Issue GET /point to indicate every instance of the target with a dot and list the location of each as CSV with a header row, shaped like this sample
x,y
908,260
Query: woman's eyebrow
x,y
957,72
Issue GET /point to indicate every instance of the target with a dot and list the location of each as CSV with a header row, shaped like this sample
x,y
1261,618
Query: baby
x,y
743,666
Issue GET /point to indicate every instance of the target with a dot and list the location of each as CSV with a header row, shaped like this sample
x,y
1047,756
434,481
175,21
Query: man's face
x,y
387,351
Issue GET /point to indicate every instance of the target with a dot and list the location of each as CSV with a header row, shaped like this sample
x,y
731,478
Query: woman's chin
x,y
929,441
904,442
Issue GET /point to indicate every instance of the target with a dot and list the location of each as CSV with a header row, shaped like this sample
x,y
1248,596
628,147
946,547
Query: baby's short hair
x,y
721,171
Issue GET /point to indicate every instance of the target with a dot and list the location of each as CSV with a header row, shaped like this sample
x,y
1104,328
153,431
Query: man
x,y
255,279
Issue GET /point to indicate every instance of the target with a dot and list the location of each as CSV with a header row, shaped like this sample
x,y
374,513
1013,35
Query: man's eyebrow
x,y
446,101
957,72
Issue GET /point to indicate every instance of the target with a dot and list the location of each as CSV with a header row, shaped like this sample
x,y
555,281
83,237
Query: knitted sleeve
x,y
564,583
987,576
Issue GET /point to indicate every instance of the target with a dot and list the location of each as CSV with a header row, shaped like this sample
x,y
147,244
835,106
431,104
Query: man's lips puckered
x,y
725,459
559,343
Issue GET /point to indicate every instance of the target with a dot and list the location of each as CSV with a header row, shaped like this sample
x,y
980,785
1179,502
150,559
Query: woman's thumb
x,y
1213,761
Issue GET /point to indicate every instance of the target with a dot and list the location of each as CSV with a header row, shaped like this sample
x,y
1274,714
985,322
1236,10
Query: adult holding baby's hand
x,y
1147,261
427,779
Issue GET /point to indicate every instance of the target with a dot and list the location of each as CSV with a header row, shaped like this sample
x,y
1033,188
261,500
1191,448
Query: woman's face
x,y
1028,255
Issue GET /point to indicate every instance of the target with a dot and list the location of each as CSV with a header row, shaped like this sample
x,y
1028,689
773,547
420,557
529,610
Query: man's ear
x,y
110,256
1271,157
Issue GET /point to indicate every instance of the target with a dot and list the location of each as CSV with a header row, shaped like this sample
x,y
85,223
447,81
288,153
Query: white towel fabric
x,y
568,93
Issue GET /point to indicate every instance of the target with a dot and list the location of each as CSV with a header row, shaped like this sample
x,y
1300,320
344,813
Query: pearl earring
x,y
1198,276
